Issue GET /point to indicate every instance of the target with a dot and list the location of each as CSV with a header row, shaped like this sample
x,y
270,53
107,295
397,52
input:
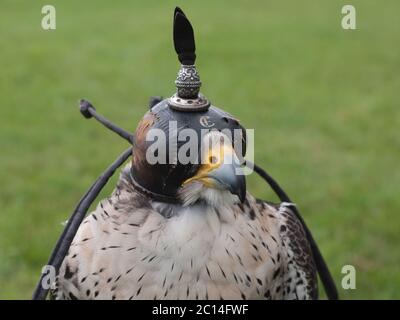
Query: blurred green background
x,y
323,102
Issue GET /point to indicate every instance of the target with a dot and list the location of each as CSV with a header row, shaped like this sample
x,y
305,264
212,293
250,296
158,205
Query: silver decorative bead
x,y
188,82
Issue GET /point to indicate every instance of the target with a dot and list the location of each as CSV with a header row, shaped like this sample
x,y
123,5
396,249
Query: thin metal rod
x,y
89,111
63,244
323,270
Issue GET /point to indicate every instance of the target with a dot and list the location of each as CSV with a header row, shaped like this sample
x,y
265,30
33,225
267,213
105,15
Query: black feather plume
x,y
184,38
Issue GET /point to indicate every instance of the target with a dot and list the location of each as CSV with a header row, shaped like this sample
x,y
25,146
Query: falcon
x,y
218,243
181,230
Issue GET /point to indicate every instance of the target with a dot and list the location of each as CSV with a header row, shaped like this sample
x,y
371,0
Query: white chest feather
x,y
199,253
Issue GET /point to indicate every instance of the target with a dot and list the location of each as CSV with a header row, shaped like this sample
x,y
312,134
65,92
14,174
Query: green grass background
x,y
323,102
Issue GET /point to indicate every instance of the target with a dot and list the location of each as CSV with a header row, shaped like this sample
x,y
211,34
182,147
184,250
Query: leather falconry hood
x,y
187,108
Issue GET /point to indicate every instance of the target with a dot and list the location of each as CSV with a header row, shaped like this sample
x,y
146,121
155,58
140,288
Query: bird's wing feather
x,y
300,276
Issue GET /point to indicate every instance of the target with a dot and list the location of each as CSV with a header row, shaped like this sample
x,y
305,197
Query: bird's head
x,y
178,157
219,177
187,150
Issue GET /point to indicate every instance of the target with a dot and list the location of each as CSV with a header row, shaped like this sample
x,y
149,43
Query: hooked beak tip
x,y
238,187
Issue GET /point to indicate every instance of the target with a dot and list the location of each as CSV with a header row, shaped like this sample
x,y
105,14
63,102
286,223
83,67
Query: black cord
x,y
63,244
